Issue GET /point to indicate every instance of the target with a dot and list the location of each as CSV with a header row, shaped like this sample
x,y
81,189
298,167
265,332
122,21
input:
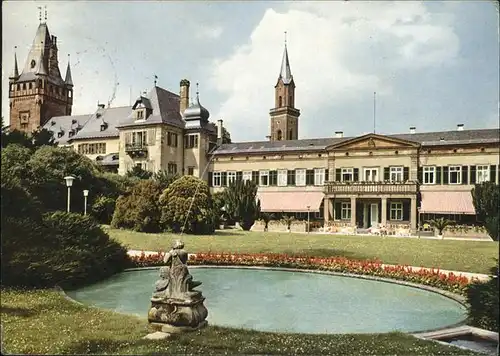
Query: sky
x,y
432,64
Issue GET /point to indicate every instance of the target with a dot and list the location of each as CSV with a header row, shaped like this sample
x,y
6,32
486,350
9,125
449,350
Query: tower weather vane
x,y
40,14
45,13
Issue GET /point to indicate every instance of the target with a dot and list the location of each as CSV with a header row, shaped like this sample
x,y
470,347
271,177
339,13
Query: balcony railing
x,y
386,187
136,149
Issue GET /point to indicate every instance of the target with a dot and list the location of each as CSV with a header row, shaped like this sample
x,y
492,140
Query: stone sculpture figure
x,y
175,305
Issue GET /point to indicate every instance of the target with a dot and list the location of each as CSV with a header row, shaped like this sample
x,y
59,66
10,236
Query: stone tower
x,y
39,92
284,115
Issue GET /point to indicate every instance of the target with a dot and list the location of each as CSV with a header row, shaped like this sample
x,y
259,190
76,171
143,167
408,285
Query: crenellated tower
x,y
284,115
39,92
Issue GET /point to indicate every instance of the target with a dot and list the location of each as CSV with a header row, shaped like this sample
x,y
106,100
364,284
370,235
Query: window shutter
x,y
338,208
493,172
128,138
406,211
420,175
338,175
465,172
326,174
472,174
210,178
224,179
445,175
356,174
438,175
386,173
310,177
406,173
239,175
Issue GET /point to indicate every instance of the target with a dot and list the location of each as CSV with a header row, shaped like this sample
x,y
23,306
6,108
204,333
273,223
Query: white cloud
x,y
338,51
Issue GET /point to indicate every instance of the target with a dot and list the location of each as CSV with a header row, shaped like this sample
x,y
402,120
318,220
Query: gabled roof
x,y
166,107
318,144
110,117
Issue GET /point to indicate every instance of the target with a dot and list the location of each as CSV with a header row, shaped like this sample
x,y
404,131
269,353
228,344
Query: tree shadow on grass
x,y
98,346
229,233
23,312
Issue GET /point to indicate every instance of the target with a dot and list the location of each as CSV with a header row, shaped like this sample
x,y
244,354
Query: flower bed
x,y
431,277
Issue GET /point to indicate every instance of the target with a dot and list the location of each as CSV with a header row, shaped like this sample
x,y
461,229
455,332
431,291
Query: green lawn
x,y
44,322
467,256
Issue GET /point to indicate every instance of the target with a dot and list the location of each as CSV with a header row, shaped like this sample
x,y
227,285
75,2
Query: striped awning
x,y
447,203
290,201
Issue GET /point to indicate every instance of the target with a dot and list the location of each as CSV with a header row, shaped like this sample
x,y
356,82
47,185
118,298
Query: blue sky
x,y
432,64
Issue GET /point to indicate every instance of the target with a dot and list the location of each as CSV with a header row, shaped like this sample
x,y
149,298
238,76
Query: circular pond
x,y
271,300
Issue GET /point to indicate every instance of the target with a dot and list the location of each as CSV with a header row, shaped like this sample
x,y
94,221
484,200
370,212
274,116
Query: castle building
x,y
39,92
394,180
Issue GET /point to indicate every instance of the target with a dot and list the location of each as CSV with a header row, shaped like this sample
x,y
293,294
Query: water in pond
x,y
283,301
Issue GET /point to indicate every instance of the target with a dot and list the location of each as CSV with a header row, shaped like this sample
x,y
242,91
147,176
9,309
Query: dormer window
x,y
104,126
60,134
140,114
73,121
71,133
52,123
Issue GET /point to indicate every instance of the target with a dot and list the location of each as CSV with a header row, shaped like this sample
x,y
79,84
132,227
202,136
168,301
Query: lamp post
x,y
69,182
308,224
419,225
85,195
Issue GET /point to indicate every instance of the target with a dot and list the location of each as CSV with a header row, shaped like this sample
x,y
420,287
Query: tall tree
x,y
242,203
485,197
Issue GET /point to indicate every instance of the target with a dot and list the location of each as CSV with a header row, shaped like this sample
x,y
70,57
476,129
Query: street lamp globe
x,y
69,180
85,193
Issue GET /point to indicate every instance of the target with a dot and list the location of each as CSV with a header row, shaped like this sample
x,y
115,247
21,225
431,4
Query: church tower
x,y
284,115
39,92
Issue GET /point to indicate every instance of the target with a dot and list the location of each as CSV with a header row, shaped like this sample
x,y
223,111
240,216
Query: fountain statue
x,y
175,305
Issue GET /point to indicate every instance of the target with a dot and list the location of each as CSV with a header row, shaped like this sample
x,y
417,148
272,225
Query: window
x,y
310,177
347,174
290,179
396,174
455,175
30,85
482,174
231,176
282,177
264,178
216,179
429,175
319,176
273,178
290,134
280,101
300,177
92,148
371,175
137,138
396,211
140,114
191,171
172,168
171,139
279,135
191,141
345,211
247,175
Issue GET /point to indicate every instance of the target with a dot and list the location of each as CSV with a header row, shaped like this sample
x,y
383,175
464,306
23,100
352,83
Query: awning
x,y
290,201
447,203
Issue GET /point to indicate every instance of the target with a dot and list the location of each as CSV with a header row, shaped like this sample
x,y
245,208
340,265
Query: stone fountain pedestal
x,y
176,316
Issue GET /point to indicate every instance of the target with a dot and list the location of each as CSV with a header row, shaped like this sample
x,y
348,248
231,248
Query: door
x,y
371,174
374,215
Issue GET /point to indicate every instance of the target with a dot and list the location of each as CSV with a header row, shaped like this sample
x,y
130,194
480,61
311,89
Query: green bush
x,y
138,172
165,179
242,203
486,197
138,209
186,205
103,209
483,300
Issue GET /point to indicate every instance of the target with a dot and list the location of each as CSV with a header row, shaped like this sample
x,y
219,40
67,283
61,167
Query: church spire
x,y
68,80
16,68
285,71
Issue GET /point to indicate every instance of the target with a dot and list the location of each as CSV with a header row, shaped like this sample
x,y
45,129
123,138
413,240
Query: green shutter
x,y
406,173
472,174
356,174
223,179
406,210
239,175
386,173
465,172
210,175
445,175
326,174
420,175
338,175
310,177
493,172
438,175
338,208
273,178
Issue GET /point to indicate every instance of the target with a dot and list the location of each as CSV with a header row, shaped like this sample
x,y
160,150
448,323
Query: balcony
x,y
136,150
371,188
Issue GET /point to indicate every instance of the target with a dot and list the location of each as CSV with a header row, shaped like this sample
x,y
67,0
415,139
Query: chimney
x,y
184,94
339,134
460,127
413,129
219,132
101,106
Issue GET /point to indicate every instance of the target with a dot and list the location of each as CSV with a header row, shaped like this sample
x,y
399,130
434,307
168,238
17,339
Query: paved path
x,y
482,277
